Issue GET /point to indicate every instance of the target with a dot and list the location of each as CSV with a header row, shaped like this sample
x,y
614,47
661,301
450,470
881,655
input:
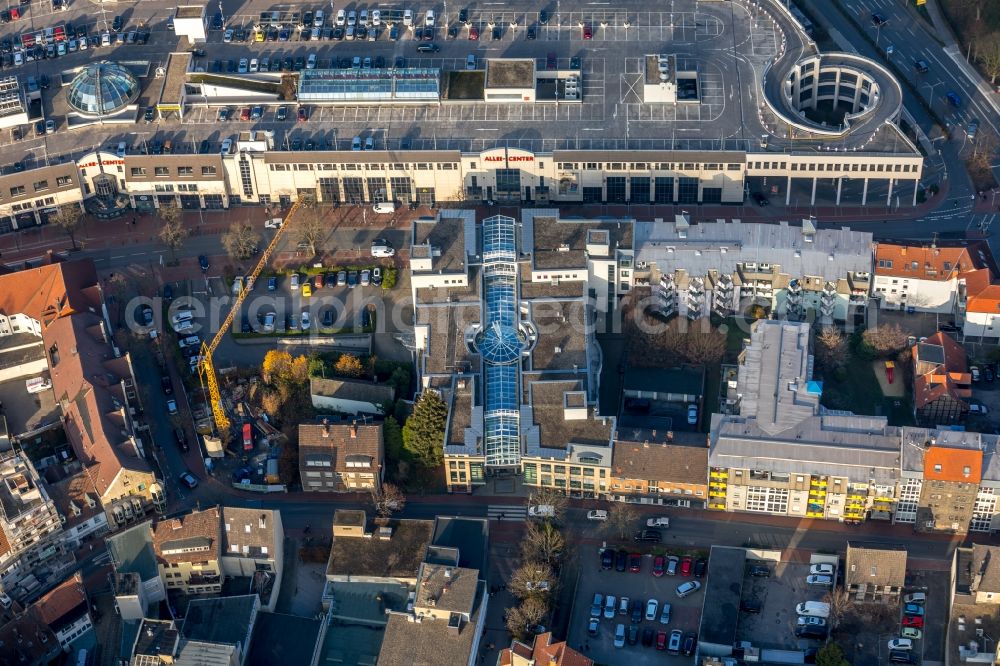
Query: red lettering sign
x,y
494,158
521,158
104,162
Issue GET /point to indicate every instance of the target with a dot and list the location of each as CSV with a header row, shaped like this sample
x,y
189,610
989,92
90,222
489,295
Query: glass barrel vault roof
x,y
387,84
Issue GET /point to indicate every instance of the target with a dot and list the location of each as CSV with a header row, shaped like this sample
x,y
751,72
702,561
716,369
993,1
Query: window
x,y
185,171
41,185
16,190
63,180
162,172
138,171
937,468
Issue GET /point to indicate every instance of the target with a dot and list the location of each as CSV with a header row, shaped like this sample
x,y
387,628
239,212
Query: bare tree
x,y
69,218
241,241
840,606
885,339
621,518
831,348
989,57
550,497
173,232
532,578
387,499
530,613
542,542
311,230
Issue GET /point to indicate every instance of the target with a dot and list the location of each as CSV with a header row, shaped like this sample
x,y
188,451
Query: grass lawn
x,y
859,392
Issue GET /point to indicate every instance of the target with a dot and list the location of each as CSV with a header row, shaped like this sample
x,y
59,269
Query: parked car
x,y
688,588
692,415
635,562
821,581
665,613
674,645
650,536
913,609
913,621
662,521
181,439
166,385
636,611
751,606
821,570
902,657
593,514
901,644
911,632
659,565
607,559
974,371
810,621
759,571
700,567
686,565
915,598
621,560
189,480
609,607
593,626
595,608
620,636
652,607
690,641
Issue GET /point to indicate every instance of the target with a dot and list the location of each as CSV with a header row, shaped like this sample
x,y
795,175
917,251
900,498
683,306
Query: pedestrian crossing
x,y
504,512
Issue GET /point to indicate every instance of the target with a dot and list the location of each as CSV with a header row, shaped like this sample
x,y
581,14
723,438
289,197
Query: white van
x,y
384,208
542,511
813,609
407,17
597,514
181,316
37,384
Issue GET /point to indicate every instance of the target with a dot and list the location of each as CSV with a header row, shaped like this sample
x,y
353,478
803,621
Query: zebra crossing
x,y
511,512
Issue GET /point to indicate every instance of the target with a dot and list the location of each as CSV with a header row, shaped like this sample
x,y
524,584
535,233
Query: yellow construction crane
x,y
205,368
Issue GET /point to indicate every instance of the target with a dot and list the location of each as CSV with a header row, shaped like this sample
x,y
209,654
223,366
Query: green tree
x,y
393,435
389,278
423,434
831,654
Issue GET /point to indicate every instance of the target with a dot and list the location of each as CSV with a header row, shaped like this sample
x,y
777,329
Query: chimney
x,y
354,430
263,521
326,428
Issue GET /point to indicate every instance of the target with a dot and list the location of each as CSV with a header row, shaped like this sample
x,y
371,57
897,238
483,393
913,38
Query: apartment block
x,y
721,268
874,572
974,611
253,546
930,278
188,552
136,580
341,458
79,507
31,546
648,466
65,609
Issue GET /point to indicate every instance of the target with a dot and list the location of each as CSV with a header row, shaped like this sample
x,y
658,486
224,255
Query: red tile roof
x,y
544,653
933,380
926,263
956,465
64,601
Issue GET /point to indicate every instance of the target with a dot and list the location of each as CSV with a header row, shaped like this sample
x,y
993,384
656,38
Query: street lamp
x,y
930,93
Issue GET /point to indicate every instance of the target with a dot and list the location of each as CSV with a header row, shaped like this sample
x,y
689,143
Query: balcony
x,y
815,514
817,493
817,483
717,493
719,474
717,506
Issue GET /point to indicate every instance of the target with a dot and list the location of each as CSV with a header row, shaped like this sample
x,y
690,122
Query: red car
x,y
245,113
661,640
587,33
913,621
302,117
473,33
686,566
635,562
319,281
658,565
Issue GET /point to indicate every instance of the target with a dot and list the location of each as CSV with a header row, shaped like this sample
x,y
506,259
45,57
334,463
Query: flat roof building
x,y
720,611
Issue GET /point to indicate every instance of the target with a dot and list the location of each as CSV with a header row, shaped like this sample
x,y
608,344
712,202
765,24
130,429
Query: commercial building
x,y
721,608
349,396
782,453
221,621
136,580
649,467
721,268
505,316
340,457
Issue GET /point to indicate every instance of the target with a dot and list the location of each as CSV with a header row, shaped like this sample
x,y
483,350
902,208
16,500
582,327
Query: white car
x,y
662,521
227,146
376,17
620,636
254,65
172,407
181,316
429,18
269,322
305,320
189,341
822,581
821,570
597,514
652,607
244,66
901,644
341,17
381,248
665,613
596,607
407,17
319,18
810,621
352,18
609,606
915,598
184,326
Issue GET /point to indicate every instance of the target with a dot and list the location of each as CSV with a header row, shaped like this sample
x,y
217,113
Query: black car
x,y
700,566
463,15
166,385
148,114
203,262
650,536
452,32
296,144
204,147
921,66
307,18
759,571
621,560
168,292
811,631
310,144
299,65
428,34
690,641
647,636
496,32
156,147
193,350
338,33
245,325
5,16
43,82
531,32
750,606
988,373
181,438
117,24
760,199
216,21
636,611
633,635
142,36
607,559
286,64
901,657
6,46
543,17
